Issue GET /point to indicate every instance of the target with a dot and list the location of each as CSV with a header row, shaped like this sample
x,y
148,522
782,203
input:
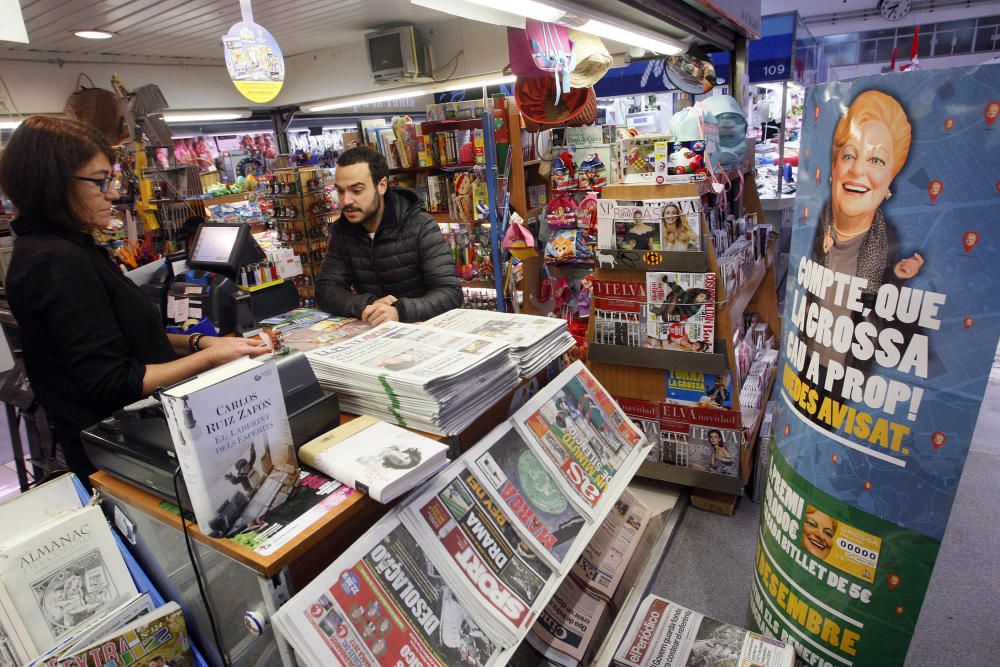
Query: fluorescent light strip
x,y
9,124
626,36
467,10
203,116
375,99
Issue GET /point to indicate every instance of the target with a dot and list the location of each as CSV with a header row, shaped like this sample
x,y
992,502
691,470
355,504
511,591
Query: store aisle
x,y
709,565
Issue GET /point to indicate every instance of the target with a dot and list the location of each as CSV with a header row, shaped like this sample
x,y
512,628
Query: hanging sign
x,y
890,333
253,58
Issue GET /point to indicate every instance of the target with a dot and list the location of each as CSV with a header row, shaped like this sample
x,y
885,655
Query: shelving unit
x,y
301,217
638,372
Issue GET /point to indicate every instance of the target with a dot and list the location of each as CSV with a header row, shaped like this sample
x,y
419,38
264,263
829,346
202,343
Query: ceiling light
x,y
474,82
94,34
527,8
204,116
374,99
9,124
662,45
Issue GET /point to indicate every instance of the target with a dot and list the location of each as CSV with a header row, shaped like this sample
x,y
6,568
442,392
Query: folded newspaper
x,y
418,377
665,634
459,573
534,341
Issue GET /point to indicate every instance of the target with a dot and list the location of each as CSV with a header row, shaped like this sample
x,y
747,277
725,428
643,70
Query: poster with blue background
x,y
890,328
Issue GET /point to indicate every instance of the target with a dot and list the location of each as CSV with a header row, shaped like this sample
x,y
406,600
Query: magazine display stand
x,y
639,372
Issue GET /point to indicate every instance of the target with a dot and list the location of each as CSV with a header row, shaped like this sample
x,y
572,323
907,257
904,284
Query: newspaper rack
x,y
638,372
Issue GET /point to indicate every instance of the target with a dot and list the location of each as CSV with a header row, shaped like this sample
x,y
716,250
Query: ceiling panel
x,y
192,28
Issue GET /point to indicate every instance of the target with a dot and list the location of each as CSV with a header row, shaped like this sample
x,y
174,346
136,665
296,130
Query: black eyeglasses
x,y
102,183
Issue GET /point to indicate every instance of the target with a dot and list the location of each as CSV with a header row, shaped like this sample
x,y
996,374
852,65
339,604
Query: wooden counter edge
x,y
267,566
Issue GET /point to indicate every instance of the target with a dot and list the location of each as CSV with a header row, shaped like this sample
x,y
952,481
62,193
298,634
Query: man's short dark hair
x,y
377,164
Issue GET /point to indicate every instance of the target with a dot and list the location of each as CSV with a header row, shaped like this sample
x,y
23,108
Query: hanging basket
x,y
536,98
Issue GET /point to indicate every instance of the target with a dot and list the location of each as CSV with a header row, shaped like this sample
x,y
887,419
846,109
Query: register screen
x,y
215,244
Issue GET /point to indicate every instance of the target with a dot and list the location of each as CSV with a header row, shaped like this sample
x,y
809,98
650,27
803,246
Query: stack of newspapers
x,y
534,341
428,379
459,573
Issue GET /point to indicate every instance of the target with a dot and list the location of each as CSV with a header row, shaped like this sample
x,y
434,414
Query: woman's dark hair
x,y
377,164
39,163
718,433
413,458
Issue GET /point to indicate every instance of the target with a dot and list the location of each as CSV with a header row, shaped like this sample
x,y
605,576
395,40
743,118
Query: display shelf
x,y
447,125
638,373
644,357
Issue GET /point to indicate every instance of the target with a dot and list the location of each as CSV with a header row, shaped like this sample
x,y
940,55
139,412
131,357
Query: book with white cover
x,y
378,459
16,647
231,435
64,574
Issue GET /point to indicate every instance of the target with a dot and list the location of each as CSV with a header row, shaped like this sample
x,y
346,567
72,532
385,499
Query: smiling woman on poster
x,y
870,146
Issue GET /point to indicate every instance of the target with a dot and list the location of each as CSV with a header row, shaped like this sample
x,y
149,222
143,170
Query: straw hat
x,y
591,59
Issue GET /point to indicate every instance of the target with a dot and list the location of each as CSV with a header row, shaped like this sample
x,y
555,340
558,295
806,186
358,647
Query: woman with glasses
x,y
91,341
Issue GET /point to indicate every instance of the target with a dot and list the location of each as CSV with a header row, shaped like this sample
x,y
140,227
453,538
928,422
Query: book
x,y
156,639
39,504
231,435
665,634
680,313
63,574
378,459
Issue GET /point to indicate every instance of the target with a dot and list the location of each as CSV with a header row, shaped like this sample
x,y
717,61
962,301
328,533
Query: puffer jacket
x,y
407,258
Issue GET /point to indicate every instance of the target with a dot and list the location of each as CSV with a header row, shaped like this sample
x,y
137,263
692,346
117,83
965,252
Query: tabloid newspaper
x,y
426,378
565,630
383,602
606,556
534,341
582,434
514,476
497,569
665,634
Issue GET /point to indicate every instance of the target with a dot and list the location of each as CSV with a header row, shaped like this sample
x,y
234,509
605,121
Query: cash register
x,y
134,444
205,283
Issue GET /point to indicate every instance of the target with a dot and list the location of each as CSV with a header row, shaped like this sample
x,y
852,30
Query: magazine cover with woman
x,y
649,224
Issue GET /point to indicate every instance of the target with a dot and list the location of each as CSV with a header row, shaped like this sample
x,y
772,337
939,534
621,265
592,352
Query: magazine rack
x,y
639,372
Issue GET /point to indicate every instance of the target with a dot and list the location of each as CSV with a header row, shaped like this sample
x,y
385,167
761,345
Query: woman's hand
x,y
909,267
222,349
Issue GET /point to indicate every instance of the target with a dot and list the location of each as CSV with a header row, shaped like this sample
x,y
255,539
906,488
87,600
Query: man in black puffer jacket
x,y
387,260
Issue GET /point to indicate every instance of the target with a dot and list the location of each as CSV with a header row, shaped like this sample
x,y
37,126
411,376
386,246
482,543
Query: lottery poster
x,y
890,329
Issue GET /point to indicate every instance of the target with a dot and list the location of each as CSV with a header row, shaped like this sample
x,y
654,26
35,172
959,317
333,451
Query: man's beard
x,y
371,214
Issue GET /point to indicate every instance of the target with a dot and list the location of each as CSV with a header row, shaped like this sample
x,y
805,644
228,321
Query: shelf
x,y
644,357
739,301
688,477
255,288
223,199
429,126
691,261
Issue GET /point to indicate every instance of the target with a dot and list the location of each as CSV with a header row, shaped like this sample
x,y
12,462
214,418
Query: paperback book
x,y
378,459
230,432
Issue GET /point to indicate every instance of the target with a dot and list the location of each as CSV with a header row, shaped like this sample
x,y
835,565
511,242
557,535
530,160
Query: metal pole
x,y
781,137
489,138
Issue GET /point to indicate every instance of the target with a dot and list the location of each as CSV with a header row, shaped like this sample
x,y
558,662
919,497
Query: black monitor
x,y
223,247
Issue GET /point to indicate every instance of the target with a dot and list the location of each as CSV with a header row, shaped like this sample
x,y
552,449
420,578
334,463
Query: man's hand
x,y
388,300
379,312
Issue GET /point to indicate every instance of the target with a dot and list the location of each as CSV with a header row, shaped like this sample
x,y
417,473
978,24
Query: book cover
x,y
233,443
66,573
378,459
26,511
681,310
157,639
